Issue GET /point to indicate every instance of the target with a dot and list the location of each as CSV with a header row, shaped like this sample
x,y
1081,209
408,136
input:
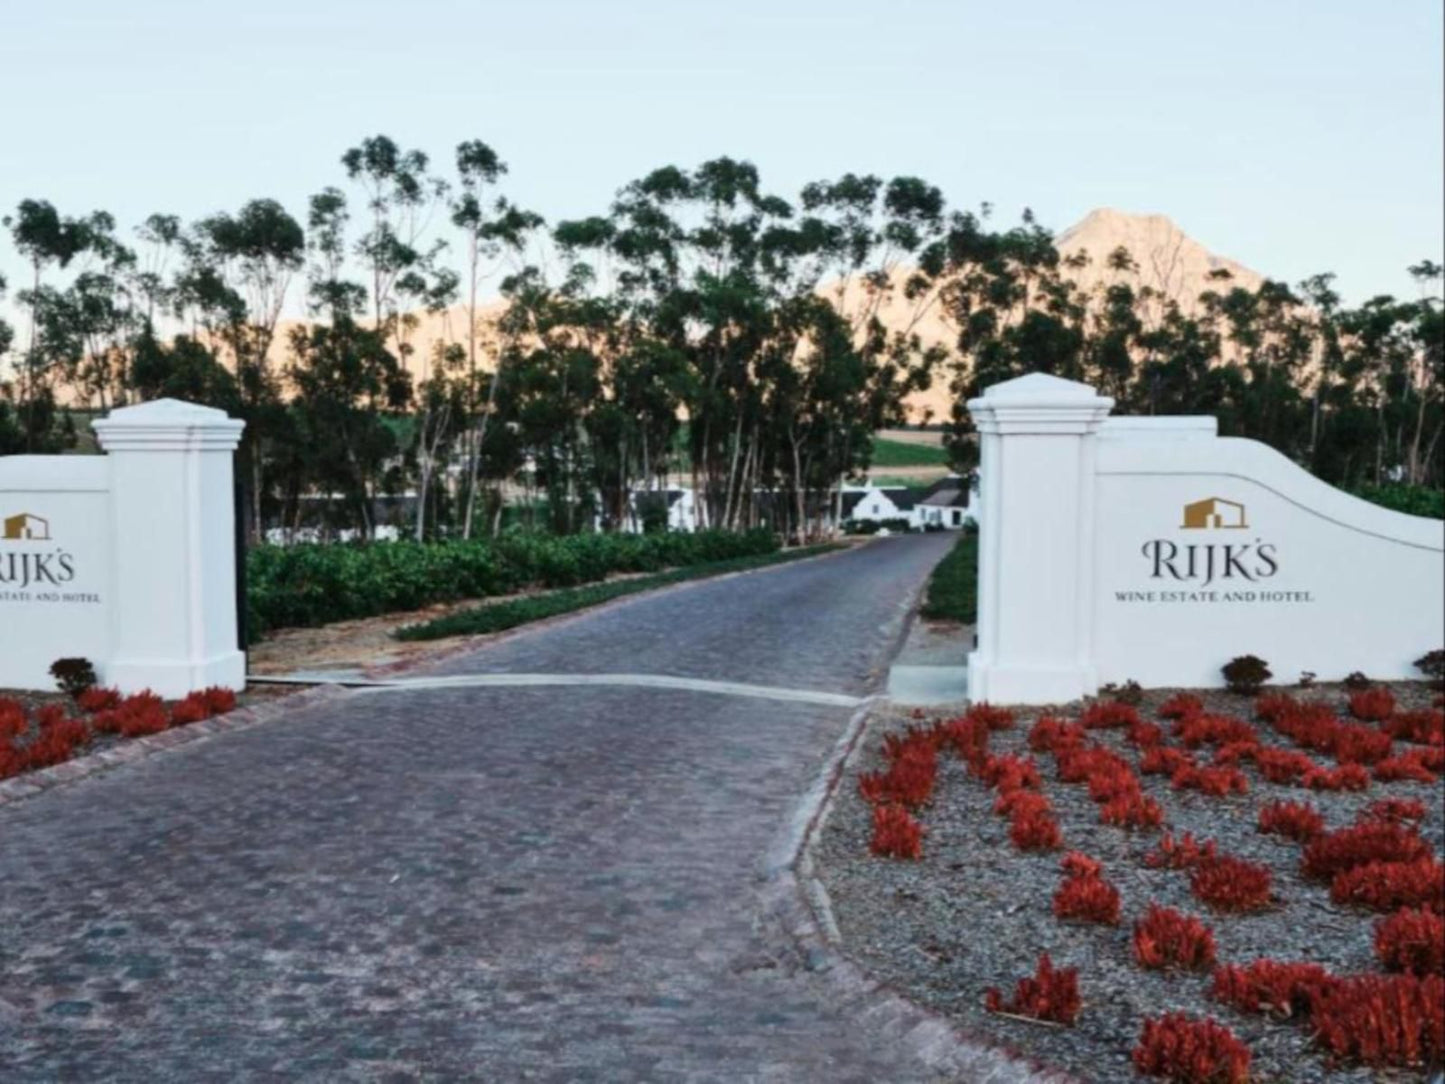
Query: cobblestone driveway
x,y
465,884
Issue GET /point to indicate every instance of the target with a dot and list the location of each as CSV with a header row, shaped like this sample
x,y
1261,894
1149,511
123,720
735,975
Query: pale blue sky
x,y
1293,136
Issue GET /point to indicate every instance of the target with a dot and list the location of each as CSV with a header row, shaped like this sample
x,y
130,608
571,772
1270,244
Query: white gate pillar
x,y
1035,610
173,618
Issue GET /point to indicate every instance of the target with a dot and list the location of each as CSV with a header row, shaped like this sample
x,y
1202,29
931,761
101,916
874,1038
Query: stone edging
x,y
423,659
796,898
133,750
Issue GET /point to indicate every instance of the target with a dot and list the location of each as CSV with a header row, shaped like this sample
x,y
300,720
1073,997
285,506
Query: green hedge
x,y
306,585
953,588
497,616
1416,500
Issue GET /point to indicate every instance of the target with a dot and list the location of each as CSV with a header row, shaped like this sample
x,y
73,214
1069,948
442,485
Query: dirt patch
x,y
975,913
367,643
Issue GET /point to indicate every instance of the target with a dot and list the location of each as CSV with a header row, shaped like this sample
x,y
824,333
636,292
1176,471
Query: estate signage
x,y
1154,550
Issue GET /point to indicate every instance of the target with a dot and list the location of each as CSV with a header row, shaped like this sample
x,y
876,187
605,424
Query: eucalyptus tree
x,y
238,272
493,229
45,239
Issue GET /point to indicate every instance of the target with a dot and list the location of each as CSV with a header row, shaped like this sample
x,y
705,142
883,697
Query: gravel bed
x,y
975,912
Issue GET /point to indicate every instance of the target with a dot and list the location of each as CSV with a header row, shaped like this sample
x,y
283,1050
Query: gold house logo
x,y
1214,512
26,527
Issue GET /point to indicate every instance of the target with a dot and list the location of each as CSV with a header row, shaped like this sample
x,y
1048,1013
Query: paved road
x,y
486,884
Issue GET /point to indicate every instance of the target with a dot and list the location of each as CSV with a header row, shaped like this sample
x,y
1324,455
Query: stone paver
x,y
466,883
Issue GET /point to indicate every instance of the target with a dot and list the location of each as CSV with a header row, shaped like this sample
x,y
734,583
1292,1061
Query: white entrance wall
x,y
1092,569
137,572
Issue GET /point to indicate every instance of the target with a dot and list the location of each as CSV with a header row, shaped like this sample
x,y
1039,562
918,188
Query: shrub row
x,y
306,585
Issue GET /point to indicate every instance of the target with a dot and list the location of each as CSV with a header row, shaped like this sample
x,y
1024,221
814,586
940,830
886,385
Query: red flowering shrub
x,y
1048,995
1180,1048
190,710
1408,767
1145,735
1112,782
1382,1020
1163,760
1021,803
1273,706
135,716
1227,883
1011,772
1298,821
1311,725
97,698
1134,810
1372,705
1268,986
1397,810
1179,705
1078,864
1166,938
1049,735
1035,832
1421,727
992,717
1108,714
1181,854
1196,730
1215,782
1411,941
1087,899
1233,752
1076,765
908,779
1388,886
968,737
219,699
1282,765
1347,777
895,833
1356,744
12,719
1371,841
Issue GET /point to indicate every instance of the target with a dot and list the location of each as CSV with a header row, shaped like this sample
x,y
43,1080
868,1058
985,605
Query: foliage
x,y
895,833
1371,841
1084,895
1227,883
1298,821
1188,1051
1165,938
952,593
499,616
1390,885
898,453
305,585
1413,941
1382,1020
1432,665
74,676
1268,986
1244,674
1428,501
1049,994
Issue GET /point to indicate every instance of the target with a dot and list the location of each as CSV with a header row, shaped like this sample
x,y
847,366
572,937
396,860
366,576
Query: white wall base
x,y
997,684
174,680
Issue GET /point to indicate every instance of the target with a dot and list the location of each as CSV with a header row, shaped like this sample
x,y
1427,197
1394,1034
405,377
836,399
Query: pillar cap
x,y
1039,403
168,425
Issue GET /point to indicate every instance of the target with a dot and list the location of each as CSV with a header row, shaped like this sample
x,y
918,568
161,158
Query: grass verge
x,y
953,588
523,611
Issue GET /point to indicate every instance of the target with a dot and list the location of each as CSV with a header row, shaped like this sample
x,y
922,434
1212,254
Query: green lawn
x,y
522,611
896,453
953,589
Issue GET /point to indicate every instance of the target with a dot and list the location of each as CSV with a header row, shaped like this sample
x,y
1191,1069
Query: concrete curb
x,y
797,900
422,660
135,750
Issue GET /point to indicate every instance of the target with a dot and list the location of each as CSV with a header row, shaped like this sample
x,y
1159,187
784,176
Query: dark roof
x,y
901,496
